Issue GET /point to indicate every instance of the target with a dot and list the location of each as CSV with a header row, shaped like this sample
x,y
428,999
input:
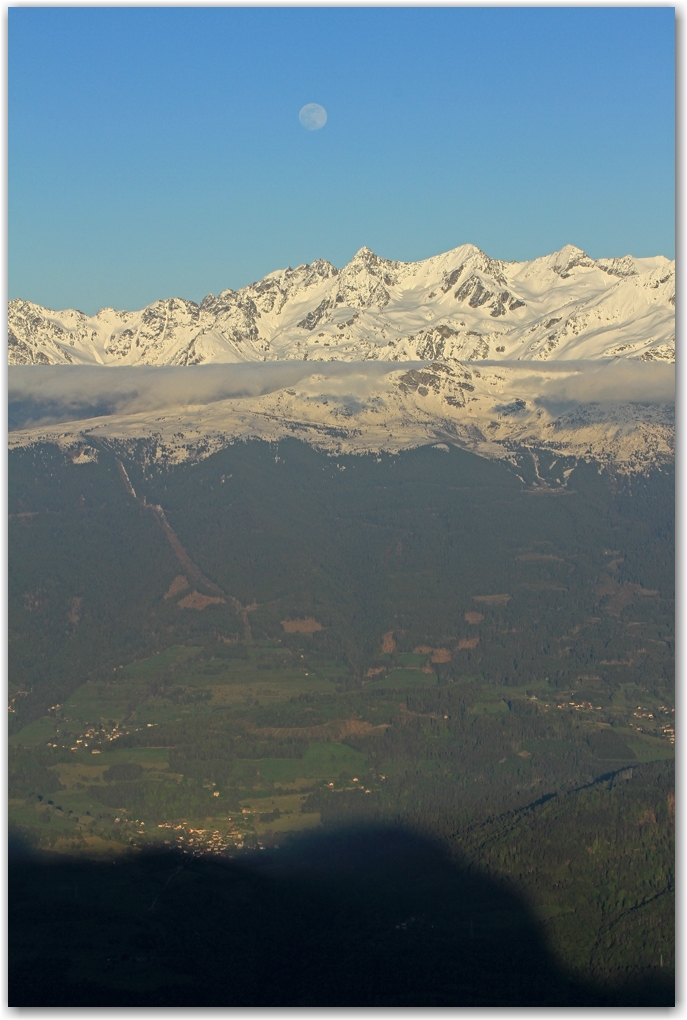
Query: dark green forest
x,y
273,646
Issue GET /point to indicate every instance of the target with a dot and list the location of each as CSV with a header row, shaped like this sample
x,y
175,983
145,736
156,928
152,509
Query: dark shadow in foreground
x,y
374,917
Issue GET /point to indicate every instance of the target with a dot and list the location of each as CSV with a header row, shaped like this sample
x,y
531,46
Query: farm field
x,y
287,740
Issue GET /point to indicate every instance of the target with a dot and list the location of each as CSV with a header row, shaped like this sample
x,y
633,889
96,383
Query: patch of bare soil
x,y
621,595
336,729
474,617
178,584
197,601
468,642
442,654
376,671
308,625
388,643
618,602
493,600
438,654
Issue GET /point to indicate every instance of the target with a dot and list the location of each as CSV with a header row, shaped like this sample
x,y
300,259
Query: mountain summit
x,y
458,306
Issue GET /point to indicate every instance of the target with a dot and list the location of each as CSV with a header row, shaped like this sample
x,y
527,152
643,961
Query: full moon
x,y
313,116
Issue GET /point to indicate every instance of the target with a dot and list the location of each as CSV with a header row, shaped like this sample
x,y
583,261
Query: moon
x,y
313,116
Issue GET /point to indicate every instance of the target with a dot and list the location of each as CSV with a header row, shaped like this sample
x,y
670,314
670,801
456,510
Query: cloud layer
x,y
39,395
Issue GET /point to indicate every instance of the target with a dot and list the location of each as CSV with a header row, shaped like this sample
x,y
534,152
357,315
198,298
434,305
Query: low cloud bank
x,y
42,395
648,382
46,394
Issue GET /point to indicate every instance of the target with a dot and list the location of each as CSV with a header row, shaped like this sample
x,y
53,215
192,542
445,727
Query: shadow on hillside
x,y
366,917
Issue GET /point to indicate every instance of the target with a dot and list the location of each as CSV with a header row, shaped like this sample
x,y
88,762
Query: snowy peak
x,y
365,254
457,306
569,258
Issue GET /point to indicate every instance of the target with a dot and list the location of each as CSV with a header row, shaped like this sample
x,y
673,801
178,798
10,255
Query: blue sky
x,y
157,151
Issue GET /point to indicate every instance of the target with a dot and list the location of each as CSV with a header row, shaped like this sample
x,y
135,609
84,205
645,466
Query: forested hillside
x,y
216,659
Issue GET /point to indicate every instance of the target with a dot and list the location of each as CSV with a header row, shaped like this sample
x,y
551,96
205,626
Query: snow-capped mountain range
x,y
564,353
459,306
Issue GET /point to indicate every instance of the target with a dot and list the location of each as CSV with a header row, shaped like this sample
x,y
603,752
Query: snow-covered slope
x,y
492,409
459,306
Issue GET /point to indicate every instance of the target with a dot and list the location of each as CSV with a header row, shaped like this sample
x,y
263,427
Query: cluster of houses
x,y
581,706
204,841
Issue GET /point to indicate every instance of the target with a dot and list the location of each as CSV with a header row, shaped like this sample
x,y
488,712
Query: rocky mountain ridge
x,y
457,306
